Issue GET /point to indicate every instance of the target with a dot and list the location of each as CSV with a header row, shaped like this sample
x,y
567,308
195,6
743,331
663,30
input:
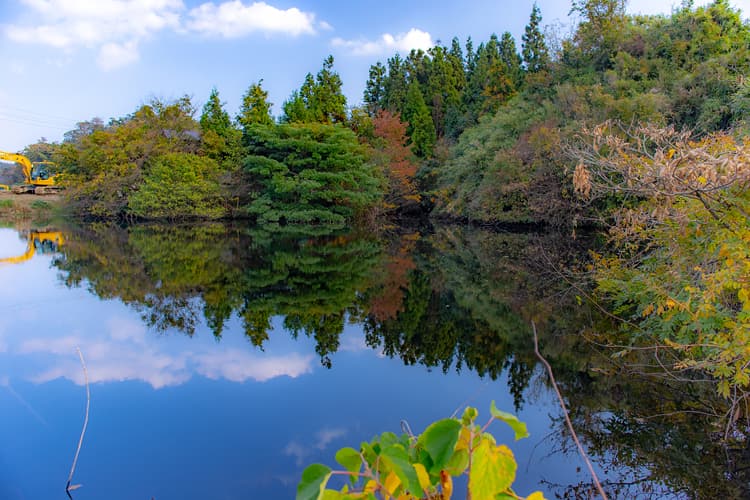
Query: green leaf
x,y
458,463
439,440
397,460
351,460
493,470
314,480
518,427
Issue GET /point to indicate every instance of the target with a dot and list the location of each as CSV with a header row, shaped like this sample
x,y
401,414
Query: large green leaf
x,y
493,470
397,460
350,459
518,427
439,440
314,480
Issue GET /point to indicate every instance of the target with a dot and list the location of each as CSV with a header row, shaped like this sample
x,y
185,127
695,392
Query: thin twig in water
x,y
567,417
68,487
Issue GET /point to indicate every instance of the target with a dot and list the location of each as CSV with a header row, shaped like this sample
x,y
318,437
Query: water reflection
x,y
449,299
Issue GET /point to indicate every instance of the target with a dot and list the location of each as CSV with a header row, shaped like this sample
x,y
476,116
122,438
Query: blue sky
x,y
71,60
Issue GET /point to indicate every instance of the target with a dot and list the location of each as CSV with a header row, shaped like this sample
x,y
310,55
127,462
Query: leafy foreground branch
x,y
422,467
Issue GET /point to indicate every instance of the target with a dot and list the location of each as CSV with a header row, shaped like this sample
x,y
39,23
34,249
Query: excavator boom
x,y
37,177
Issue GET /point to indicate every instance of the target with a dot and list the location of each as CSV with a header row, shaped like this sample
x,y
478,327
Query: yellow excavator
x,y
44,242
38,177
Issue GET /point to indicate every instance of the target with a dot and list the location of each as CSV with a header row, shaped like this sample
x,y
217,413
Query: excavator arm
x,y
25,163
37,177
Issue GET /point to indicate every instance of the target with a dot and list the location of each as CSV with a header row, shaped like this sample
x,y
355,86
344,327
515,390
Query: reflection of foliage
x,y
168,272
469,301
662,435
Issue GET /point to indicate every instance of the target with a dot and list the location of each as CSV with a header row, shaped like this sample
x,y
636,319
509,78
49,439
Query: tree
x,y
214,117
320,98
220,139
312,173
600,31
329,100
178,185
679,273
255,109
511,59
421,128
396,85
375,88
396,159
534,48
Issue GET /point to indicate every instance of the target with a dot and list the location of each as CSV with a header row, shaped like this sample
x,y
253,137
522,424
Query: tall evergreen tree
x,y
421,128
395,85
510,57
214,117
320,99
375,89
534,48
329,101
255,107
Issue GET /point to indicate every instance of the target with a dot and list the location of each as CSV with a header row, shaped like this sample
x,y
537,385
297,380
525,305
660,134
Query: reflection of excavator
x,y
38,177
44,242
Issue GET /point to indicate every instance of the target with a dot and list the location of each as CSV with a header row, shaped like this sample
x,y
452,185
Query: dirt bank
x,y
28,206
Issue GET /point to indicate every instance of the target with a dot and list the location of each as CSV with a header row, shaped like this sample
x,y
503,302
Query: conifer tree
x,y
255,107
421,129
510,57
375,88
214,117
534,48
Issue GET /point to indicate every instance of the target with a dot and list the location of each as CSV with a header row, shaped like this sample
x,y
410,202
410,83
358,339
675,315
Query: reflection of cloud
x,y
327,435
124,354
238,366
323,438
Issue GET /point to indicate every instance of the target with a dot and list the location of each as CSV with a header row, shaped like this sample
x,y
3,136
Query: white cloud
x,y
403,42
117,55
114,27
235,19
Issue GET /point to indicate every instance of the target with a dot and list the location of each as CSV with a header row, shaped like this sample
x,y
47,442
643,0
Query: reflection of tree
x,y
659,437
469,300
169,272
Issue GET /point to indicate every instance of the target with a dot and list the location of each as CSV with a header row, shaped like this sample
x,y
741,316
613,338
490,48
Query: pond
x,y
224,359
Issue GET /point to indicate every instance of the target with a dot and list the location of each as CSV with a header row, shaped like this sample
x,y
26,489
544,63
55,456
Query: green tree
x,y
320,99
396,85
511,59
329,100
421,129
255,109
221,140
311,173
534,48
374,94
178,185
214,117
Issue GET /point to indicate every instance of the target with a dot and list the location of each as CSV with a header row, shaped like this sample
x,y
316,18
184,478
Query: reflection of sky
x,y
191,417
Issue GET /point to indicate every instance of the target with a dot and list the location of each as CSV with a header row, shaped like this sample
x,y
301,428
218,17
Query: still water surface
x,y
223,360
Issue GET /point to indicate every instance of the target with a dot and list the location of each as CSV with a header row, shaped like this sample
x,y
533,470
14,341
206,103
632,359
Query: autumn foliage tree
x,y
679,269
396,159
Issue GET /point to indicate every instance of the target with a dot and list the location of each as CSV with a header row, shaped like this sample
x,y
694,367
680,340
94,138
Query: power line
x,y
14,110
